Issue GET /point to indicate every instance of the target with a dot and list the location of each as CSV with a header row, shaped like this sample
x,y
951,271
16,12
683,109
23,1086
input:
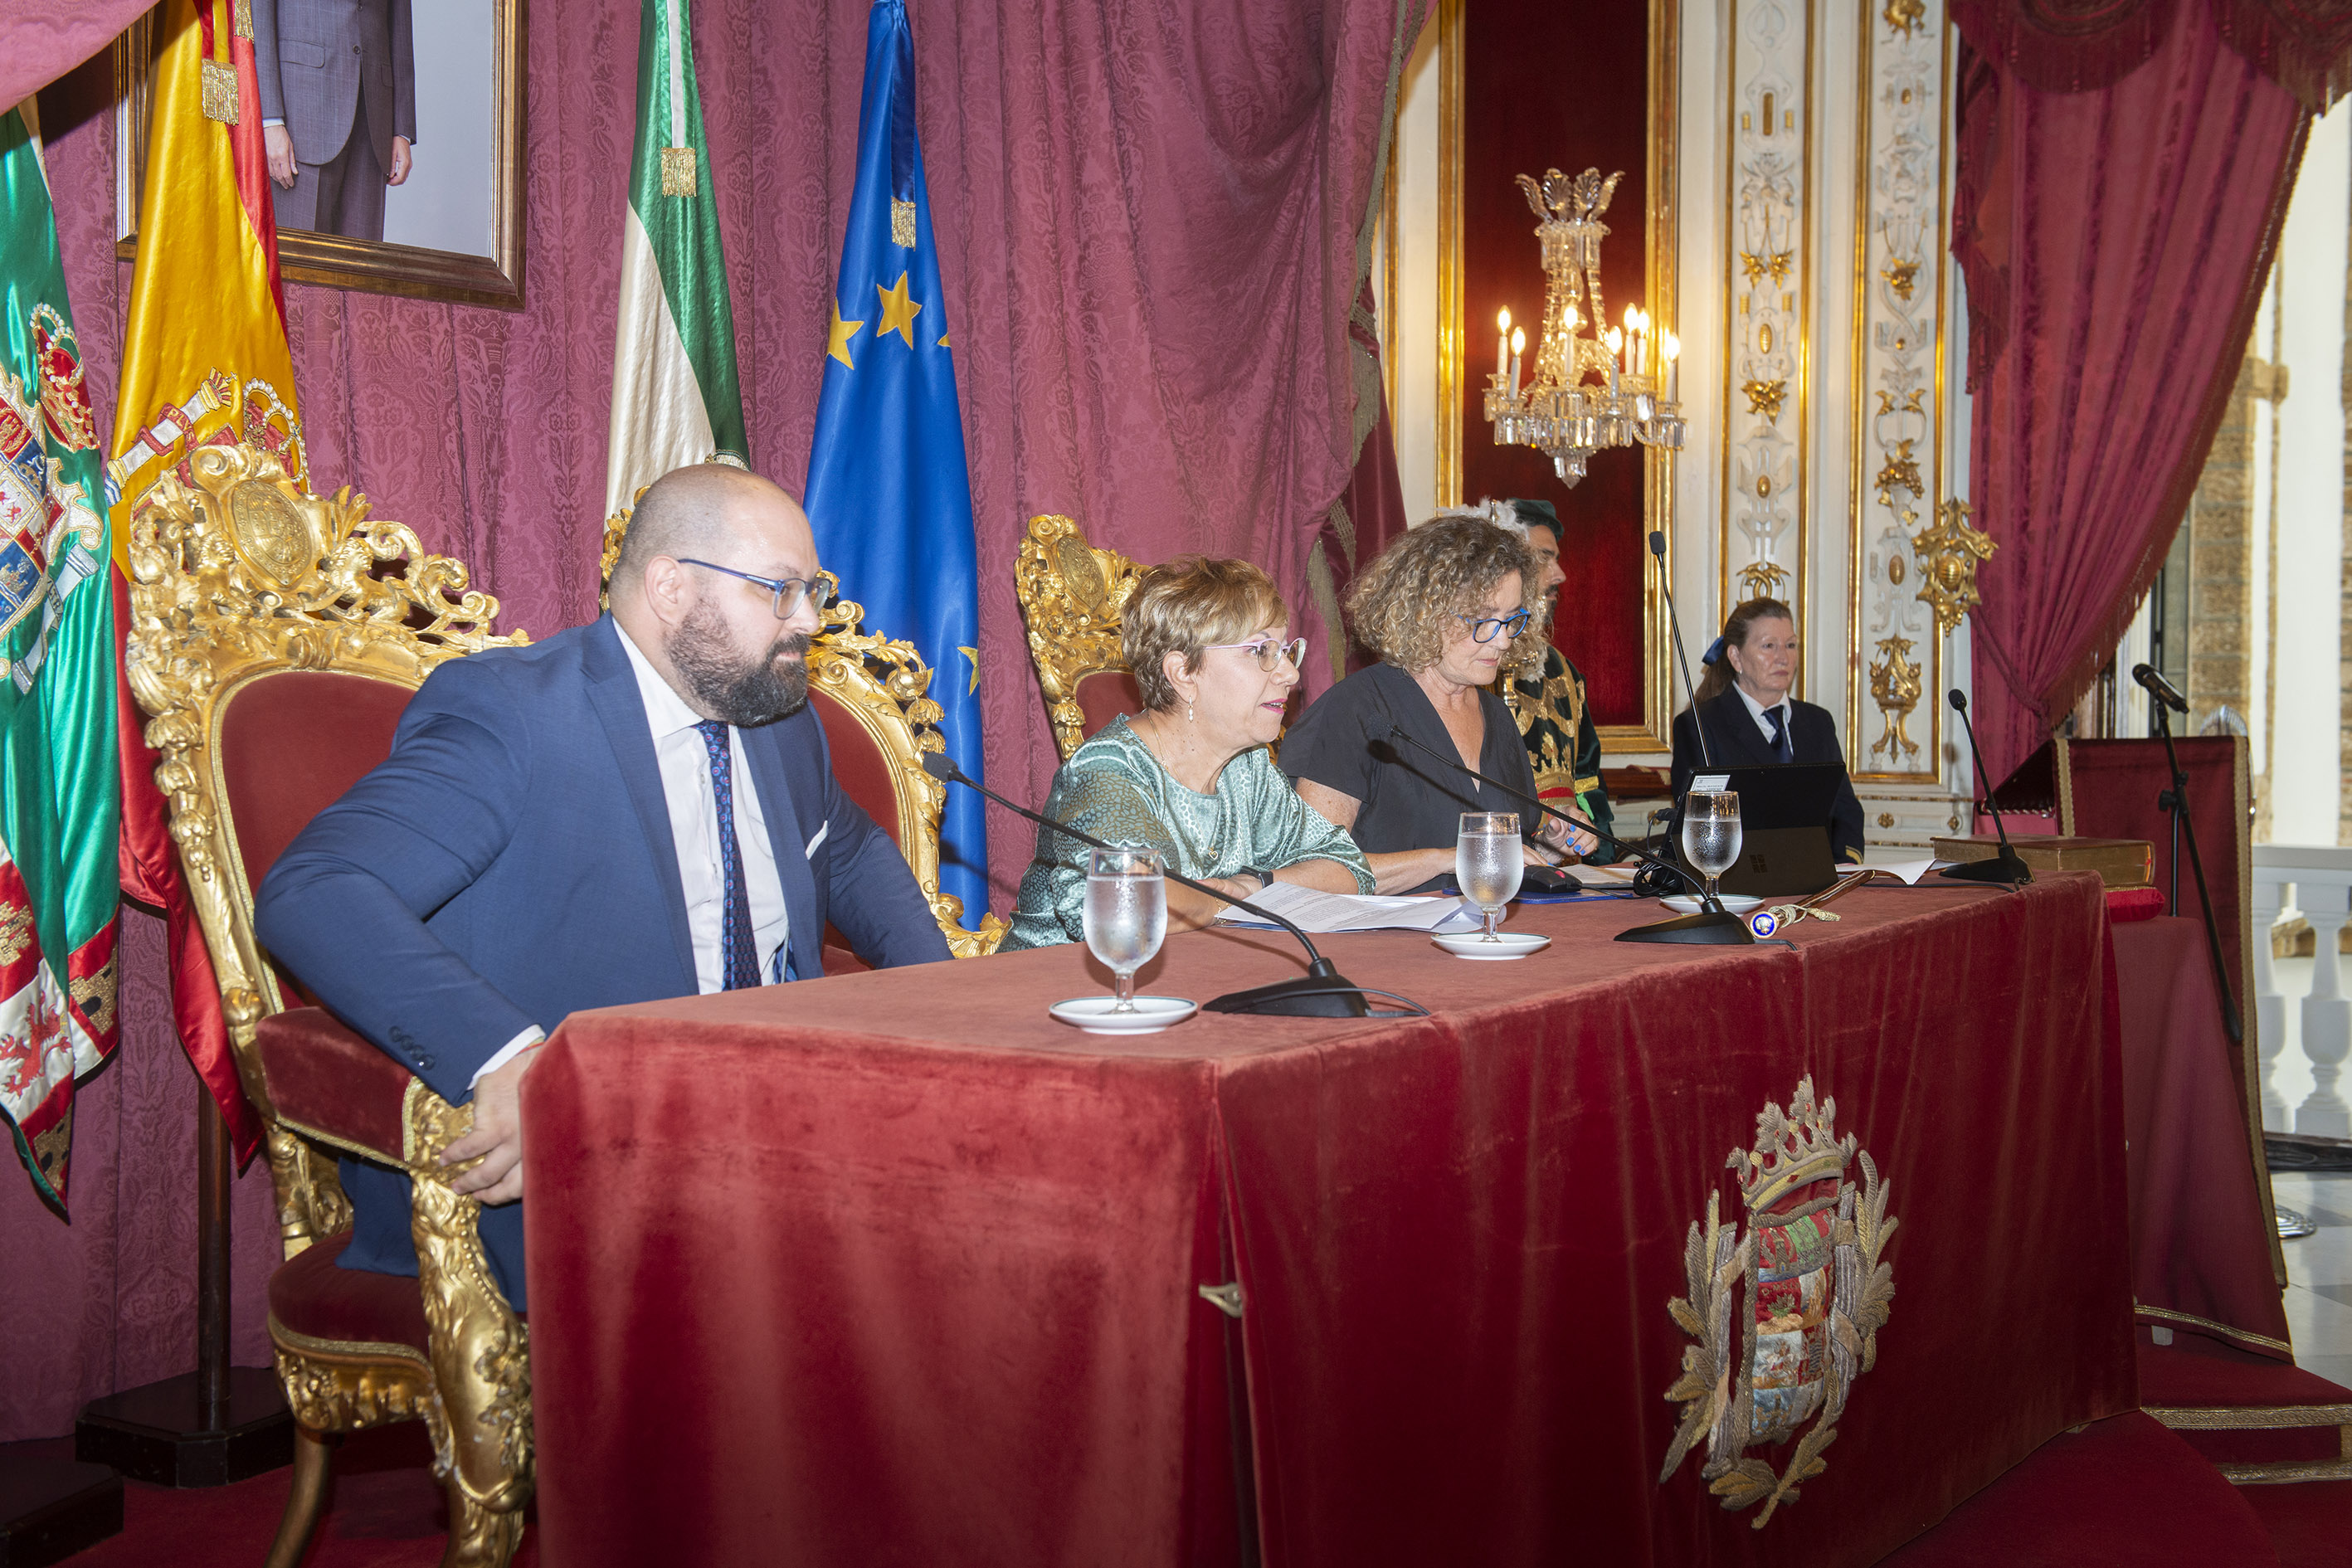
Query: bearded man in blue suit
x,y
639,809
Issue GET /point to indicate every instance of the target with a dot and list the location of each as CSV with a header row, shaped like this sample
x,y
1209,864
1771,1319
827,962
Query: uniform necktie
x,y
1781,750
739,954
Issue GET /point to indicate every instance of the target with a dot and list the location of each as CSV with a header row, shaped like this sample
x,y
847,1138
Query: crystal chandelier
x,y
1607,389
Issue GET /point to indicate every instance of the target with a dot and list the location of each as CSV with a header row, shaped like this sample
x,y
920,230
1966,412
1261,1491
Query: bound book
x,y
2120,862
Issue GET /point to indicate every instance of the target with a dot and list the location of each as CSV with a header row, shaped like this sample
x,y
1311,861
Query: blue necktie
x,y
1781,750
739,953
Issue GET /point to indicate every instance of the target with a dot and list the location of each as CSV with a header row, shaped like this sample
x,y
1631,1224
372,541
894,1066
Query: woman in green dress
x,y
1208,644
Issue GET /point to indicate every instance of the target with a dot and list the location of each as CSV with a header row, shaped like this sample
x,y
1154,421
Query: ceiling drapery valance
x,y
2079,46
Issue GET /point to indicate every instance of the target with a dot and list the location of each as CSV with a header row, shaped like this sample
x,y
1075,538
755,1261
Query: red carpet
x,y
2121,1492
387,1512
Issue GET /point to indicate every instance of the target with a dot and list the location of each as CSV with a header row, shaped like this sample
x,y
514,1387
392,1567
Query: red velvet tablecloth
x,y
890,1268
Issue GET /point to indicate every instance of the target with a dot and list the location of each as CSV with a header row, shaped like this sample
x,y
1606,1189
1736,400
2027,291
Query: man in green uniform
x,y
1548,699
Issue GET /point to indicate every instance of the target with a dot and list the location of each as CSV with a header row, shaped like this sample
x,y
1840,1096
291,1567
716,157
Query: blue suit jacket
x,y
511,863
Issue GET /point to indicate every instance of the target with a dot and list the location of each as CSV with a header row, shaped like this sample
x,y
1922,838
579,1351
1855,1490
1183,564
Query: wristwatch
x,y
1265,878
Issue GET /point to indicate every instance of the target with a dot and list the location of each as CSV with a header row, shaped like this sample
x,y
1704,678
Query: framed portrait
x,y
395,134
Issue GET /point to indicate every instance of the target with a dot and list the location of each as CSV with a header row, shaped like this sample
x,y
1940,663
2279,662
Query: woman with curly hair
x,y
1443,607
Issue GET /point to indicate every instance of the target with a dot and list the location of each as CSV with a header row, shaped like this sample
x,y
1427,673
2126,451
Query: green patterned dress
x,y
1114,788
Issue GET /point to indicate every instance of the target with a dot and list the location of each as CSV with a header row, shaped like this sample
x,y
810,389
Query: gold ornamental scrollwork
x,y
1813,1288
1894,685
1949,554
1073,597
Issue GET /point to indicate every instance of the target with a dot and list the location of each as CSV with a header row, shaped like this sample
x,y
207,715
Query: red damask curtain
x,y
2114,241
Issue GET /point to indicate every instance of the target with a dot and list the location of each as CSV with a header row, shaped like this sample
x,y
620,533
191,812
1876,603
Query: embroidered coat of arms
x,y
1811,1291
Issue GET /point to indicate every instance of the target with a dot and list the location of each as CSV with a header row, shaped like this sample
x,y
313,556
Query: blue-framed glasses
x,y
1485,627
790,593
1269,653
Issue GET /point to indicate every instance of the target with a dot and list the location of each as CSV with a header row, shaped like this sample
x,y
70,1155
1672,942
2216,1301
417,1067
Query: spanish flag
x,y
204,359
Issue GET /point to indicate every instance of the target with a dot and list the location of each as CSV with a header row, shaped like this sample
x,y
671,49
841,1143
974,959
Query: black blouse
x,y
1410,800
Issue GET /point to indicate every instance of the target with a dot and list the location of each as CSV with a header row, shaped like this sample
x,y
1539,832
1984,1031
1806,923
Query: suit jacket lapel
x,y
1733,730
613,692
764,747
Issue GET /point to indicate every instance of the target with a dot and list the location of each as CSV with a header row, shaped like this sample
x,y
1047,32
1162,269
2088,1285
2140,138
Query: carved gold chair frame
x,y
239,573
884,684
1073,597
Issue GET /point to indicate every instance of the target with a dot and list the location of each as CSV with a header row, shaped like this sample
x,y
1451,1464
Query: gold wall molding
x,y
1894,645
1766,391
1450,43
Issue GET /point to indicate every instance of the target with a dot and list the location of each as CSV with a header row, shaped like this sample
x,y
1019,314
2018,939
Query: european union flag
x,y
889,494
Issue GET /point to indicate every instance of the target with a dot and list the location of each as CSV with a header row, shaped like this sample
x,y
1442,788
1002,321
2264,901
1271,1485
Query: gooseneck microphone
x,y
1713,925
1682,649
2004,867
2163,690
1322,993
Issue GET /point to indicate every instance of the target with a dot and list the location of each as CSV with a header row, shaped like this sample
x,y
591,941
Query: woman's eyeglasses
x,y
1269,653
1485,627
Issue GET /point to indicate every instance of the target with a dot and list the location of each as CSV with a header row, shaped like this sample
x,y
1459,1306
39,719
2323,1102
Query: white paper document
x,y
1314,911
1617,873
1910,869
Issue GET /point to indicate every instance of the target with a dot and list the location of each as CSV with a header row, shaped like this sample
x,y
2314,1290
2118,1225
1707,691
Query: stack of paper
x,y
1314,911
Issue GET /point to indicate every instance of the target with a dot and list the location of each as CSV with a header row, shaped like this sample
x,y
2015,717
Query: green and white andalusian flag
x,y
60,795
676,398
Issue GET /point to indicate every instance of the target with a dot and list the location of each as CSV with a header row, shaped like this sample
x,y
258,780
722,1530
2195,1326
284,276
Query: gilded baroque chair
x,y
275,636
871,693
1072,595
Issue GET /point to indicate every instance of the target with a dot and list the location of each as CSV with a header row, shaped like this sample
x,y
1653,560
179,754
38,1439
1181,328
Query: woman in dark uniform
x,y
1442,607
1751,719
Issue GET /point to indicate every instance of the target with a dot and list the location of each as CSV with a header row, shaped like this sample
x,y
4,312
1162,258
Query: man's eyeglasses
x,y
1269,653
790,593
1485,627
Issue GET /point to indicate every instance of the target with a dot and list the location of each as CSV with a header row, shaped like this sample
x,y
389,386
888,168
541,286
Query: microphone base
x,y
2005,867
1706,929
1322,992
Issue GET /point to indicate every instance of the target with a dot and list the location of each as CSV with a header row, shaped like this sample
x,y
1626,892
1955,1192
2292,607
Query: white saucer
x,y
1506,944
1688,904
1152,1013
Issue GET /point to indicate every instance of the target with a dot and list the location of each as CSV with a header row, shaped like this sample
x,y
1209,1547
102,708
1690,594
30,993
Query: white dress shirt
x,y
1757,710
685,764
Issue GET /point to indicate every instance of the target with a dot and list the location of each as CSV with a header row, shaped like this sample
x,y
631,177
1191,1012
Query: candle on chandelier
x,y
1503,340
1519,345
1671,346
1616,353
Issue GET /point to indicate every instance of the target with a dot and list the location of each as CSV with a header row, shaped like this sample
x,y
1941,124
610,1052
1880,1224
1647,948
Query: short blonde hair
x,y
1404,606
1185,605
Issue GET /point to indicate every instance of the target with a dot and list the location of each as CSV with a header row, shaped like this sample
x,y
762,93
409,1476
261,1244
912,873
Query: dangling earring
x,y
1188,714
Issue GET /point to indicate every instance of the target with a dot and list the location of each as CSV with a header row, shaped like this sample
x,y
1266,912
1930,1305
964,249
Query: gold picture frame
x,y
1662,275
491,277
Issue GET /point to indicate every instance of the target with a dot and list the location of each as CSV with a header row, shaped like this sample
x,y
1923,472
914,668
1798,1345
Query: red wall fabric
x,y
1522,114
819,1282
2114,243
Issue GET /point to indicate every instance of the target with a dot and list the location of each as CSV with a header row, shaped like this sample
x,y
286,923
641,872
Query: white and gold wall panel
x,y
1766,271
1896,468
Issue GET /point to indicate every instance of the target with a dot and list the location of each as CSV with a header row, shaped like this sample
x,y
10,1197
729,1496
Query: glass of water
x,y
1487,862
1711,832
1126,914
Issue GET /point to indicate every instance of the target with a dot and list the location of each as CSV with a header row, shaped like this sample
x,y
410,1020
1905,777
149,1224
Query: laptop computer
x,y
1784,820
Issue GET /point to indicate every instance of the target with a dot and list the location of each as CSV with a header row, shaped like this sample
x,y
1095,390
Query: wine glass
x,y
1126,914
1487,862
1711,834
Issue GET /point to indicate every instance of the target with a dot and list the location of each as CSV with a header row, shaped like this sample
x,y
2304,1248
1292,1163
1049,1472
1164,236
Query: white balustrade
x,y
2269,1007
2322,878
